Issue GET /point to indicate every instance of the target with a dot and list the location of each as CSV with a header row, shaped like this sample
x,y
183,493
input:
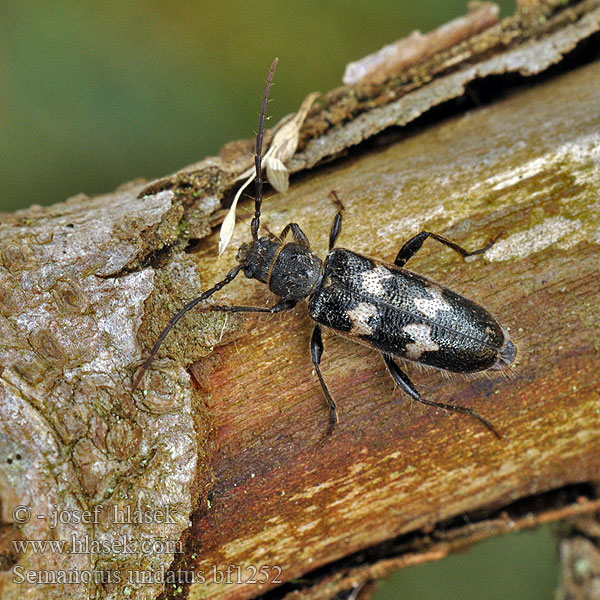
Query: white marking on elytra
x,y
372,280
432,305
422,341
359,316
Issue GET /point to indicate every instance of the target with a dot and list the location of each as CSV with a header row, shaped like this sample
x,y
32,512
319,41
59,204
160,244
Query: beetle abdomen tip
x,y
507,356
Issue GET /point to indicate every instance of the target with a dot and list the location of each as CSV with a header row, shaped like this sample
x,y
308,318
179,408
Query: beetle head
x,y
258,256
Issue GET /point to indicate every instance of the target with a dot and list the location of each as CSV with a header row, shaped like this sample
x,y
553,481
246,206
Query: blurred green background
x,y
93,94
519,566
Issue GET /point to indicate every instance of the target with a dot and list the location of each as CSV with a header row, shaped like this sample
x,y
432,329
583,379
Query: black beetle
x,y
395,311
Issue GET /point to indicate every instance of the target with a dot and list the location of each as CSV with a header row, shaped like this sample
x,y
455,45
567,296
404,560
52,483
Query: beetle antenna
x,y
225,281
255,224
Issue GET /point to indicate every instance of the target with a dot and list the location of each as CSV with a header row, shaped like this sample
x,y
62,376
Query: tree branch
x,y
234,454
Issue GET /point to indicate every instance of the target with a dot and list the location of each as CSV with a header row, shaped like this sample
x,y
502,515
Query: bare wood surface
x,y
241,449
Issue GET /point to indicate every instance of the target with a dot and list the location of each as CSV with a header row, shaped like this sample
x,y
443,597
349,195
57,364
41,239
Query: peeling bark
x,y
234,454
579,549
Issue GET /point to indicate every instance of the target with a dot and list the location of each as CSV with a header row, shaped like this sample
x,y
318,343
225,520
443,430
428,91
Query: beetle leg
x,y
276,308
412,246
407,385
297,233
316,350
279,307
336,226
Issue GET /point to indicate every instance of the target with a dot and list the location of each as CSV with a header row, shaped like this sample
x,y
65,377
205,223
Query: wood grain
x,y
526,167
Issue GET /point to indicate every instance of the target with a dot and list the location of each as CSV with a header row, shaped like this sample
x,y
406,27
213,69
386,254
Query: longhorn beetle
x,y
395,311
